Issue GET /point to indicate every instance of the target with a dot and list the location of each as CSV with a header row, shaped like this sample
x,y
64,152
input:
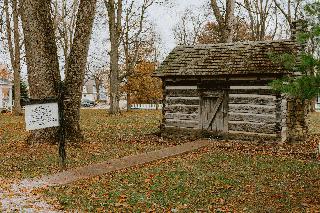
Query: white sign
x,y
40,116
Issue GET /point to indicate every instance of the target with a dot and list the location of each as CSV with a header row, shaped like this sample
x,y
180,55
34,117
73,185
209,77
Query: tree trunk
x,y
313,103
41,56
229,20
128,101
114,14
75,72
43,66
98,84
114,89
14,51
16,66
225,20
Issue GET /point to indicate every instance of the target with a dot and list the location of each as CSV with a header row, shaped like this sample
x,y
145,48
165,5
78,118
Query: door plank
x,y
214,114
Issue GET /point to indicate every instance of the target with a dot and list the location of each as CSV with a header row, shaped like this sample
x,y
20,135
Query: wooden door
x,y
214,113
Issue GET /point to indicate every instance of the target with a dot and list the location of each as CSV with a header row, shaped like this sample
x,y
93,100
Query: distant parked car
x,y
87,103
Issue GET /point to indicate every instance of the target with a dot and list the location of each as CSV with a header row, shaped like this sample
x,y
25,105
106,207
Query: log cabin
x,y
224,89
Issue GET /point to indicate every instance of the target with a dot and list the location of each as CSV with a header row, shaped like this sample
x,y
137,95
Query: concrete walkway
x,y
116,164
21,199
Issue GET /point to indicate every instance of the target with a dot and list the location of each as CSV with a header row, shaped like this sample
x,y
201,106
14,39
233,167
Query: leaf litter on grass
x,y
211,179
272,177
106,137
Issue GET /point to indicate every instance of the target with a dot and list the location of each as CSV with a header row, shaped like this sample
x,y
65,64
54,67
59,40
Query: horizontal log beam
x,y
252,99
180,116
252,127
180,82
182,93
213,84
250,87
253,109
213,93
183,100
252,133
251,83
246,78
184,109
249,136
253,91
181,124
256,118
182,87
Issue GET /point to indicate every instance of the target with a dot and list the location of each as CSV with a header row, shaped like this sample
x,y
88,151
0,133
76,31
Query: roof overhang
x,y
226,59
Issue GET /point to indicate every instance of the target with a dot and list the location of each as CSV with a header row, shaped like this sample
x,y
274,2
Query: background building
x,y
5,89
90,92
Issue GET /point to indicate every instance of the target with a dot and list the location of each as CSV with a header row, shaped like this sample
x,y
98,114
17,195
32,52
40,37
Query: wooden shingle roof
x,y
226,59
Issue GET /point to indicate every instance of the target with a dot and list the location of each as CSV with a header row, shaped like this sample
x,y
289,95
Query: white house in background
x,y
5,89
5,95
89,91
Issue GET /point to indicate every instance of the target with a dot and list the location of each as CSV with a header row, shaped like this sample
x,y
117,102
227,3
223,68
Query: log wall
x,y
181,107
254,111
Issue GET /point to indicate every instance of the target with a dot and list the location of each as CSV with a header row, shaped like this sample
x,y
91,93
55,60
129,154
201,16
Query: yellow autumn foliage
x,y
142,87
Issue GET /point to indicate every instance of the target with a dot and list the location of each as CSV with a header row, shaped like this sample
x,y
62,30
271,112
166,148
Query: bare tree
x,y
64,16
41,55
225,19
210,32
126,25
42,60
188,29
262,18
76,64
291,10
114,9
137,40
14,48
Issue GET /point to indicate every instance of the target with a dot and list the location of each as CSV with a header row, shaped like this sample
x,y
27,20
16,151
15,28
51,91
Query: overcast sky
x,y
164,18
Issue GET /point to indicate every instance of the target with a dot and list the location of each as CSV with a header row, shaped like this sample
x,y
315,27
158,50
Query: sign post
x,y
41,115
46,113
62,138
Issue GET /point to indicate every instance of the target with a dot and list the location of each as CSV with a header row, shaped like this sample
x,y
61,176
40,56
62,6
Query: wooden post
x,y
62,138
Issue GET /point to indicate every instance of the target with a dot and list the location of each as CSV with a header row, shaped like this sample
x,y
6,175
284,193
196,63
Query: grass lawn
x,y
228,176
107,137
232,176
314,123
211,180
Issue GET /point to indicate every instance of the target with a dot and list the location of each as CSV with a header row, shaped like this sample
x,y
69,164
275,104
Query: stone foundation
x,y
296,128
